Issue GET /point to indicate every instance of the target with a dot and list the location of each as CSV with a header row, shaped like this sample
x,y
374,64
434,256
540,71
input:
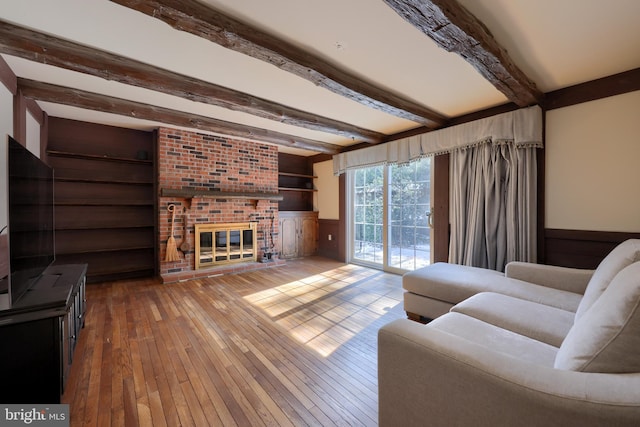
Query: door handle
x,y
429,214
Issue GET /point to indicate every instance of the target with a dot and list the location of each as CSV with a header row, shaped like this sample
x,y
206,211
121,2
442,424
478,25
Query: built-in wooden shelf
x,y
298,175
106,198
193,193
105,157
97,250
296,181
104,181
103,227
105,202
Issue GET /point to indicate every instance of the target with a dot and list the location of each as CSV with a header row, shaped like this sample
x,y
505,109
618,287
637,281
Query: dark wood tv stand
x,y
38,335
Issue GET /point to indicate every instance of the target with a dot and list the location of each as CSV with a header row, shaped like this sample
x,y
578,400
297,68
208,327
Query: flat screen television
x,y
30,216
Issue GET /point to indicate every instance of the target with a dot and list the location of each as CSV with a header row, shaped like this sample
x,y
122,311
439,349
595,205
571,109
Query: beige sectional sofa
x,y
535,346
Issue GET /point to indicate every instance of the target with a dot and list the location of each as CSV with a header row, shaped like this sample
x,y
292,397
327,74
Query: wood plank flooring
x,y
293,345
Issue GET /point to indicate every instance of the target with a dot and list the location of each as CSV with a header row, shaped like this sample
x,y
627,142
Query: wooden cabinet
x,y
39,334
289,236
298,234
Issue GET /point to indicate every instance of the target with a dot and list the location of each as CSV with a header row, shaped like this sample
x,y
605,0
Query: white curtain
x,y
493,205
493,184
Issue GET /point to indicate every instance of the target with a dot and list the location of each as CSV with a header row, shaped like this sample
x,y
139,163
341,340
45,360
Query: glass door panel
x,y
247,243
235,245
221,245
206,248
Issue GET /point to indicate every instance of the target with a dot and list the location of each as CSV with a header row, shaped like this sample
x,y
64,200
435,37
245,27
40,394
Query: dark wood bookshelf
x,y
105,189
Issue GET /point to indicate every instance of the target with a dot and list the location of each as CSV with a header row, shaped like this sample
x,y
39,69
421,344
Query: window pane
x,y
359,196
359,214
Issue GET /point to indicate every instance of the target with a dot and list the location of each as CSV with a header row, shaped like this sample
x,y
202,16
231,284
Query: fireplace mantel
x,y
188,193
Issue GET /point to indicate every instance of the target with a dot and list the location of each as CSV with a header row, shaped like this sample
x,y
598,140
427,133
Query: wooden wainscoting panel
x,y
581,249
329,238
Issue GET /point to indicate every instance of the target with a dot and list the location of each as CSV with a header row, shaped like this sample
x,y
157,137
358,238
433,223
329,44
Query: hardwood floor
x,y
293,345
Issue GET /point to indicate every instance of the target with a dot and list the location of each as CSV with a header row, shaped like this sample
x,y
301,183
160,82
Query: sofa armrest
x,y
567,279
430,377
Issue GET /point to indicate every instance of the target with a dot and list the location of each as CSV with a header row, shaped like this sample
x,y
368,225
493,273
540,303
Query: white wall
x,y
593,165
326,199
6,128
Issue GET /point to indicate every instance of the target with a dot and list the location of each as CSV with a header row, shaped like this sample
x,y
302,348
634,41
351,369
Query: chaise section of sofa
x,y
432,291
538,345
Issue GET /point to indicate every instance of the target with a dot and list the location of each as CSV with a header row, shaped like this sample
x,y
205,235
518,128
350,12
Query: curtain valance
x,y
522,127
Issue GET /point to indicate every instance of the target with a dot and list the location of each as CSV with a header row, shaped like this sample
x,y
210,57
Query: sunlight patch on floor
x,y
324,311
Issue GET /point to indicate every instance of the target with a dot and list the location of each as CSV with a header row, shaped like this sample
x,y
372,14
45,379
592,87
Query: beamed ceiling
x,y
309,76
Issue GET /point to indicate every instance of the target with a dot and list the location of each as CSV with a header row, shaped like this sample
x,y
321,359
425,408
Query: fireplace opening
x,y
218,244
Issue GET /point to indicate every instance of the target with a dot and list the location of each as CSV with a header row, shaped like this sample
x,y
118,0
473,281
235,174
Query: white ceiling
x,y
557,43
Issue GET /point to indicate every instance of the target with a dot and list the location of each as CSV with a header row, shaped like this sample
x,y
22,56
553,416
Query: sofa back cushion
x,y
607,337
626,253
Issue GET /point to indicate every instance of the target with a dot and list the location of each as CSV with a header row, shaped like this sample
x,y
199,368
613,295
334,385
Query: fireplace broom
x,y
172,250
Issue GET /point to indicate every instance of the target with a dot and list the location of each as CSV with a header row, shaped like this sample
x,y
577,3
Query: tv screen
x,y
31,218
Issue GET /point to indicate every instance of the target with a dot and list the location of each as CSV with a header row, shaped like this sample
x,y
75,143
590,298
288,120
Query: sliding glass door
x,y
389,212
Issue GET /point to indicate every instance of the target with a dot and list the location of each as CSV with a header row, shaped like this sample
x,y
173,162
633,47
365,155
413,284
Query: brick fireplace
x,y
205,164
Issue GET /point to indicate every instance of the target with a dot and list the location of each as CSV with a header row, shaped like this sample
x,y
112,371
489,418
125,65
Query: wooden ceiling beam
x,y
39,47
455,29
88,100
203,21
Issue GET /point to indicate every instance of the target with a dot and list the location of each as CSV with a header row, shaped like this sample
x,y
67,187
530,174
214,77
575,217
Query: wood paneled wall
x,y
330,246
581,249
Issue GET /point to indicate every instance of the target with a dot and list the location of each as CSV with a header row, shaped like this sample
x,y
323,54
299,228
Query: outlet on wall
x,y
329,237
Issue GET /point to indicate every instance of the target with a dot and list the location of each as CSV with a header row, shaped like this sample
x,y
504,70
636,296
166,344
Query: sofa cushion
x,y
607,337
626,253
538,321
495,338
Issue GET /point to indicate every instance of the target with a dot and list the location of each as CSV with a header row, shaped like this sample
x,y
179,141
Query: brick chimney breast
x,y
188,160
